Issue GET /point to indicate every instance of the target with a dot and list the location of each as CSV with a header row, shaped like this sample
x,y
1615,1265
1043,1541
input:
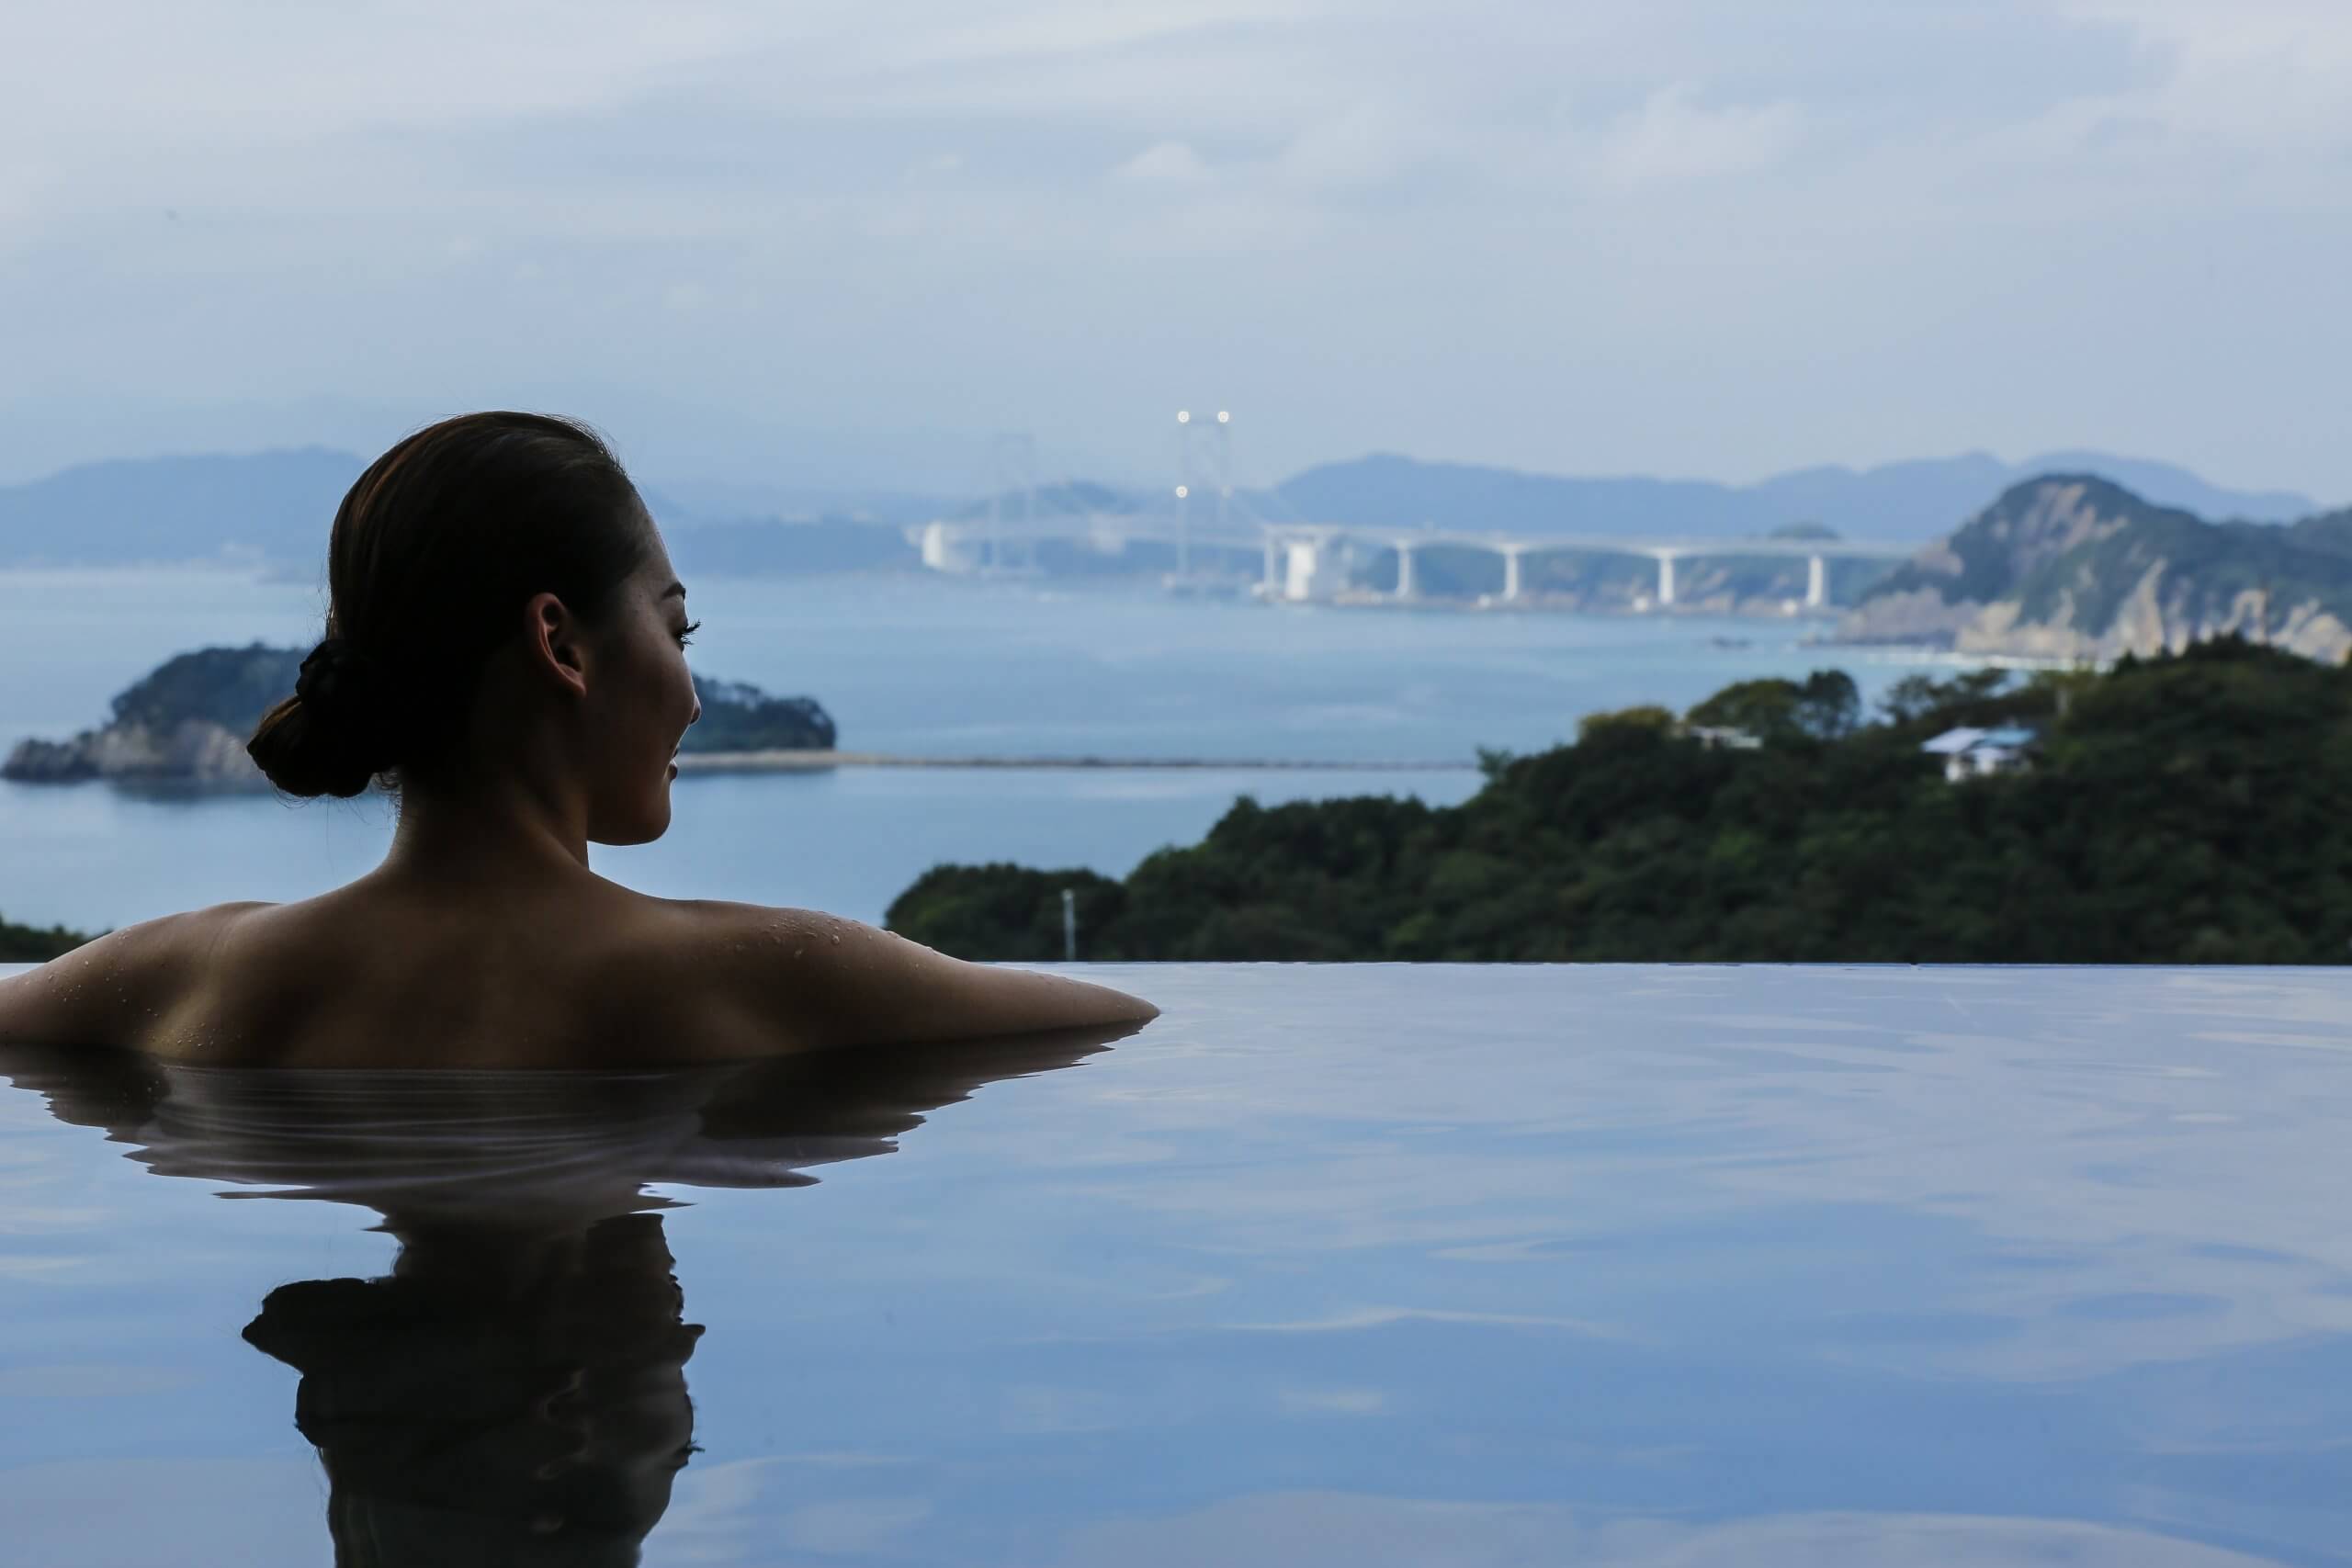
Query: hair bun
x,y
338,730
340,679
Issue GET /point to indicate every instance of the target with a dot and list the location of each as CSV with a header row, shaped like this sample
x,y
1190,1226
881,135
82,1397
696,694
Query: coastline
x,y
803,762
800,761
1875,652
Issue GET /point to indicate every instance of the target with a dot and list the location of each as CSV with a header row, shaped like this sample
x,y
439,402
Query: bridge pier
x,y
947,548
1405,589
1510,573
1665,576
1816,582
1304,574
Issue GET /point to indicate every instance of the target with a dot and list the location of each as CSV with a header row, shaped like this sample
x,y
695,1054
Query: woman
x,y
507,646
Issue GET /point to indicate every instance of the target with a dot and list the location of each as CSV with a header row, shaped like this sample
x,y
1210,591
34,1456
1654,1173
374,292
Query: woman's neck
x,y
502,828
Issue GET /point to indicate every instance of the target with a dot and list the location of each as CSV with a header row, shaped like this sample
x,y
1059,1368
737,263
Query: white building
x,y
1978,754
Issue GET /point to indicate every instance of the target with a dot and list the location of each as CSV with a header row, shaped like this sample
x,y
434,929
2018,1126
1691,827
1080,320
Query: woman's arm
x,y
114,990
826,981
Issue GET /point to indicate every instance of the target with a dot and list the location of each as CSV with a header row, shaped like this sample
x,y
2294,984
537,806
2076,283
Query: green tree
x,y
36,944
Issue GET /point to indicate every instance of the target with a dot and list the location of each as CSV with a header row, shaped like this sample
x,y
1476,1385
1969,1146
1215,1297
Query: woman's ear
x,y
557,648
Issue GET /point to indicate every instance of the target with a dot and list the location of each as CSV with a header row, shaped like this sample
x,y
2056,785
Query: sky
x,y
848,245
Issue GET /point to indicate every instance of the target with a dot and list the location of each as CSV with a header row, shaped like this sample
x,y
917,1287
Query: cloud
x,y
1674,137
2256,74
1360,146
1174,162
1405,179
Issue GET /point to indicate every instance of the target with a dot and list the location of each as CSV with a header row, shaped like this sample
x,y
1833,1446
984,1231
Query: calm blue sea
x,y
1330,1267
930,666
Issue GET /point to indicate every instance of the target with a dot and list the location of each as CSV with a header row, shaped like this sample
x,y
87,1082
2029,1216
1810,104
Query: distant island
x,y
2072,566
2185,808
187,721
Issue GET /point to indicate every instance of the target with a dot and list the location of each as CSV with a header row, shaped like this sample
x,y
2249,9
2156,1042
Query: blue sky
x,y
834,243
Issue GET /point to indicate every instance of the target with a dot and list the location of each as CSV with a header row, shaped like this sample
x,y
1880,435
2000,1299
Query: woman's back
x,y
374,975
585,974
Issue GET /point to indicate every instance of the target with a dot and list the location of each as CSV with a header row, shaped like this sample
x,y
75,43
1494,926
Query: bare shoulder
x,y
113,991
819,980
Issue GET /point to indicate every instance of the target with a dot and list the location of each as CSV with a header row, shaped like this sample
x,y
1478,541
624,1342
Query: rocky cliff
x,y
2070,566
186,721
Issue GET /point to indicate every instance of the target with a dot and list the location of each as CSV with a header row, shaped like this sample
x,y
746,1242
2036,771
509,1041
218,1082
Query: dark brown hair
x,y
435,547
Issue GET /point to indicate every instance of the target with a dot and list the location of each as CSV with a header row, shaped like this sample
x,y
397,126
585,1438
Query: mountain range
x,y
1895,503
275,506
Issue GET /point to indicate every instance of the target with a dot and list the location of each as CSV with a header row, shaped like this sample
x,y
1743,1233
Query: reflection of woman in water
x,y
513,1391
501,1397
506,645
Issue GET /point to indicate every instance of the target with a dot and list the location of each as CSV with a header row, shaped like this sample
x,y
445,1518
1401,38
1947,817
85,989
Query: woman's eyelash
x,y
686,635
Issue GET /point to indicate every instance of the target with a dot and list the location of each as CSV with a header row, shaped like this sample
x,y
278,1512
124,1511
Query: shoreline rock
x,y
194,751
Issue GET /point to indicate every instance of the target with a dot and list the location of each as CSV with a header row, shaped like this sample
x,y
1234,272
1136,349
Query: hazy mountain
x,y
278,505
1898,501
2169,485
2074,565
718,500
272,504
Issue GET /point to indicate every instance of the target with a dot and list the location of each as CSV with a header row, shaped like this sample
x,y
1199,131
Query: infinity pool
x,y
1348,1266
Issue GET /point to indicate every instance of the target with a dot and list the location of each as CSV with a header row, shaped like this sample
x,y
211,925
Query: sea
x,y
913,666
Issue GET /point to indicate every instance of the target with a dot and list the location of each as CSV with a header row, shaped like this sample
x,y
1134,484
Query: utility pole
x,y
1224,470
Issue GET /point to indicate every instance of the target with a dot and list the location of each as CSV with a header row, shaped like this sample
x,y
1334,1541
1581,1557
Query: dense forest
x,y
36,944
2186,808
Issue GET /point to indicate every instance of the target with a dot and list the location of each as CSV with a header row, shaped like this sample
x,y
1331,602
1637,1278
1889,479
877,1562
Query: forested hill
x,y
2186,809
2072,566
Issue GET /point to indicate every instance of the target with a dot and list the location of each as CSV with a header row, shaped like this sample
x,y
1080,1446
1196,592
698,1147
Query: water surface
x,y
1329,1265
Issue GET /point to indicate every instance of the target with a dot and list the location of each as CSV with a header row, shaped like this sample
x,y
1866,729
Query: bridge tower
x,y
1015,456
1816,582
1224,469
1183,493
1665,576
